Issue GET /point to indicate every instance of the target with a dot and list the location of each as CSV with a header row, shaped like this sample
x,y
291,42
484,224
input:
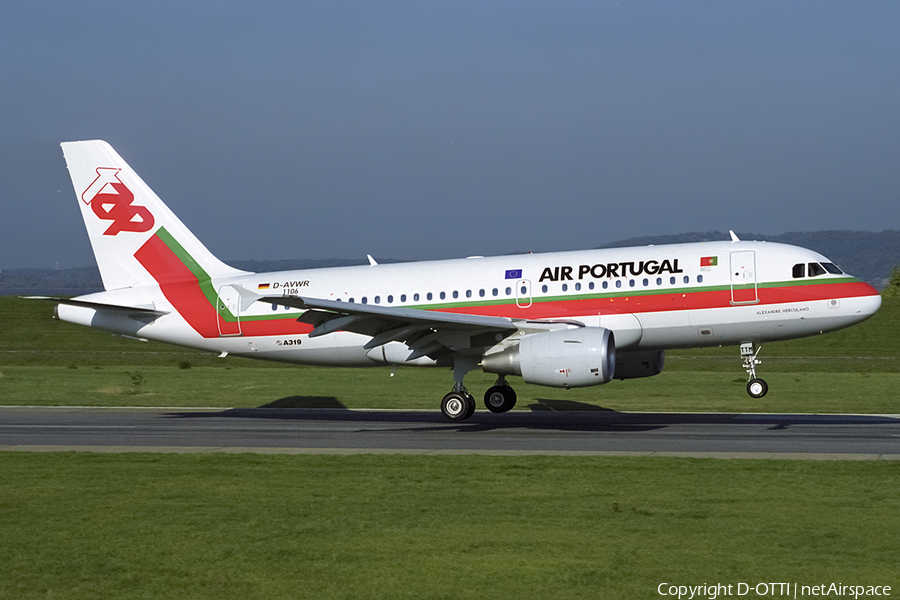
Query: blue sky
x,y
443,129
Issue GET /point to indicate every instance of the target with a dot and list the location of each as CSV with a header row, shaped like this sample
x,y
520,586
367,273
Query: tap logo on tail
x,y
111,200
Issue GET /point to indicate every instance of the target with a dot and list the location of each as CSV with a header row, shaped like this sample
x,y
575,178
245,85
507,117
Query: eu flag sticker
x,y
514,273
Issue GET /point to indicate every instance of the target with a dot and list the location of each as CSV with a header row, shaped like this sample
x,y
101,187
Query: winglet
x,y
734,237
371,260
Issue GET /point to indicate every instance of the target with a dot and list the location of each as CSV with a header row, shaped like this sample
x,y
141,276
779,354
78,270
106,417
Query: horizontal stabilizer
x,y
143,310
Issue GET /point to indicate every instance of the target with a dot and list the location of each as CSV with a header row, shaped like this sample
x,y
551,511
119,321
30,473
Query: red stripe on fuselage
x,y
179,285
182,288
662,302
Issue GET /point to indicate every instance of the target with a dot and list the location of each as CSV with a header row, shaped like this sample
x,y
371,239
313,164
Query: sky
x,y
439,129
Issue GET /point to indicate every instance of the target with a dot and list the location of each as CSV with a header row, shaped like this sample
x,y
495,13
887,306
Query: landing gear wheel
x,y
757,388
500,398
458,406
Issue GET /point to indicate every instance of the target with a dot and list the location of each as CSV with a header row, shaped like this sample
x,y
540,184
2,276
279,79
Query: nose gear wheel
x,y
756,387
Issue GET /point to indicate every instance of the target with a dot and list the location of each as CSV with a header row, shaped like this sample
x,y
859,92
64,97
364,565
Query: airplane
x,y
558,319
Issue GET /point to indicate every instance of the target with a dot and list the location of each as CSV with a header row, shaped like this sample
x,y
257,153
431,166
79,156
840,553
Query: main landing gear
x,y
501,397
459,404
756,387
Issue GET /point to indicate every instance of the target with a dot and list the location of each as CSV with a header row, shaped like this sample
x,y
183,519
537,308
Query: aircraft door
x,y
523,293
228,309
743,277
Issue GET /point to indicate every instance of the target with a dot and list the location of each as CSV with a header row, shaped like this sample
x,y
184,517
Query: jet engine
x,y
566,358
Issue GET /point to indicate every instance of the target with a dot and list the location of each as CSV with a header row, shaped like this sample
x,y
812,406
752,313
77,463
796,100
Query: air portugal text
x,y
622,269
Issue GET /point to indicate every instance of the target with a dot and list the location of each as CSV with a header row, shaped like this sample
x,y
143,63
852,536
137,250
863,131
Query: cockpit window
x,y
815,269
832,268
799,270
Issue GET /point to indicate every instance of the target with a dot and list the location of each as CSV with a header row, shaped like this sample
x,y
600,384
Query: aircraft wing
x,y
427,333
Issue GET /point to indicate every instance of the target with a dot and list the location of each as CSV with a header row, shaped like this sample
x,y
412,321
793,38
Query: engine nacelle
x,y
634,365
566,358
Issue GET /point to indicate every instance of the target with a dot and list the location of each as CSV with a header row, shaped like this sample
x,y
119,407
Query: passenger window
x,y
544,288
799,271
443,295
646,282
631,283
619,283
455,294
815,269
377,299
605,284
687,279
365,300
468,293
495,292
699,278
481,293
509,291
672,280
565,287
430,295
659,281
416,297
402,297
577,287
590,285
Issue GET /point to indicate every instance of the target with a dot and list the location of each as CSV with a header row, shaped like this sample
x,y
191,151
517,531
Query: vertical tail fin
x,y
127,223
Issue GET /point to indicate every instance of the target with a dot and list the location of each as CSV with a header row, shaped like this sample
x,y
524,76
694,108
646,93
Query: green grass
x,y
218,526
47,362
676,391
81,525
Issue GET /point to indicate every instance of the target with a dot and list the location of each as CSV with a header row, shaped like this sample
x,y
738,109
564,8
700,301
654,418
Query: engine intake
x,y
567,358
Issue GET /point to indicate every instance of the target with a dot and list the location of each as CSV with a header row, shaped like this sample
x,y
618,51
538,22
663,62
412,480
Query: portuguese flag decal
x,y
709,261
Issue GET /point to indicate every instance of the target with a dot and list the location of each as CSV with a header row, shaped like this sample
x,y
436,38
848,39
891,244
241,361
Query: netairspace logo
x,y
771,590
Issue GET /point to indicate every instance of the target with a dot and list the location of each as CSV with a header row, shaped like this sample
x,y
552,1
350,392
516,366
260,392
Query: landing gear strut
x,y
756,387
459,404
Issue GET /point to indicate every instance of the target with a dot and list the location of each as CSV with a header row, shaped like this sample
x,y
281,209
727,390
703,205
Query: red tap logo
x,y
112,201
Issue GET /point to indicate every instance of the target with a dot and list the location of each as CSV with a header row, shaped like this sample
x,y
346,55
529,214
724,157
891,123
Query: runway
x,y
341,431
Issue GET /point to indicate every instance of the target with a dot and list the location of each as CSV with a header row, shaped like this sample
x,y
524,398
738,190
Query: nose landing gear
x,y
756,387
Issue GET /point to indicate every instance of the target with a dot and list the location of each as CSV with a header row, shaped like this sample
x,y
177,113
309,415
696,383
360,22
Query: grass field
x,y
48,362
82,525
216,526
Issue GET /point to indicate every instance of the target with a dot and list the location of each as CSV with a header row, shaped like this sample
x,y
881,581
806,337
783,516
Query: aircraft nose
x,y
873,302
868,302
